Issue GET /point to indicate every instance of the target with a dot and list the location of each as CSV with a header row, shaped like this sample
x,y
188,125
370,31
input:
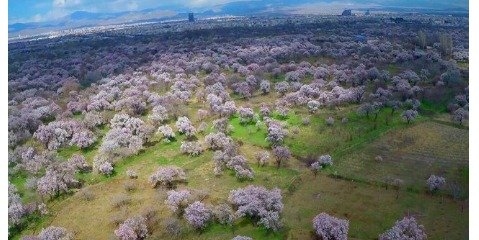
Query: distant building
x,y
367,13
191,17
346,12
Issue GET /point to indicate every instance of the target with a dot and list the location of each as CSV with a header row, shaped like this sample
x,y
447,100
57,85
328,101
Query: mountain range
x,y
243,8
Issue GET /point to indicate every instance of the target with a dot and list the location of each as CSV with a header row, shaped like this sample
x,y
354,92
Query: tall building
x,y
191,17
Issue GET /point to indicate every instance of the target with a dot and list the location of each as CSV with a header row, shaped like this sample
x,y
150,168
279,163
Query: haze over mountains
x,y
81,18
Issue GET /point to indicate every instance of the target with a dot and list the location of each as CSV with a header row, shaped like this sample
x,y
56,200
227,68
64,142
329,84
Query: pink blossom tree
x,y
167,176
407,228
198,215
329,227
262,205
133,228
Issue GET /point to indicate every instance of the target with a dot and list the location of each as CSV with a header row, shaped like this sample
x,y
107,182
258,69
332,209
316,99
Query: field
x,y
213,97
354,187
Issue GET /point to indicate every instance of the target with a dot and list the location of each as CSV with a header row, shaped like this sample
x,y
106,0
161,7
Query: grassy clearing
x,y
318,138
249,133
371,210
431,147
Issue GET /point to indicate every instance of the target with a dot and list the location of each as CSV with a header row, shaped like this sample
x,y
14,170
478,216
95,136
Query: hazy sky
x,y
43,10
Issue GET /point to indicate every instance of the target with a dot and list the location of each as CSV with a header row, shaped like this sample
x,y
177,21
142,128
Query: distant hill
x,y
242,8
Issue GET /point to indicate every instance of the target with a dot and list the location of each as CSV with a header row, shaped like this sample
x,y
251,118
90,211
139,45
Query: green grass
x,y
244,228
371,210
393,69
435,107
318,138
249,133
274,79
434,148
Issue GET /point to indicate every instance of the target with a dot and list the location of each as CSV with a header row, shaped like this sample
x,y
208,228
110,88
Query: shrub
x,y
202,127
460,115
83,138
202,114
167,132
407,228
264,111
246,115
197,215
409,115
78,162
239,237
131,174
435,182
172,227
305,121
167,176
313,106
221,125
325,160
191,148
185,127
262,157
105,168
159,114
120,200
16,209
330,121
315,167
237,163
265,86
177,200
42,208
281,155
224,214
118,217
86,195
132,229
329,227
53,232
129,186
262,205
56,181
121,142
281,88
276,133
93,119
243,173
216,141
